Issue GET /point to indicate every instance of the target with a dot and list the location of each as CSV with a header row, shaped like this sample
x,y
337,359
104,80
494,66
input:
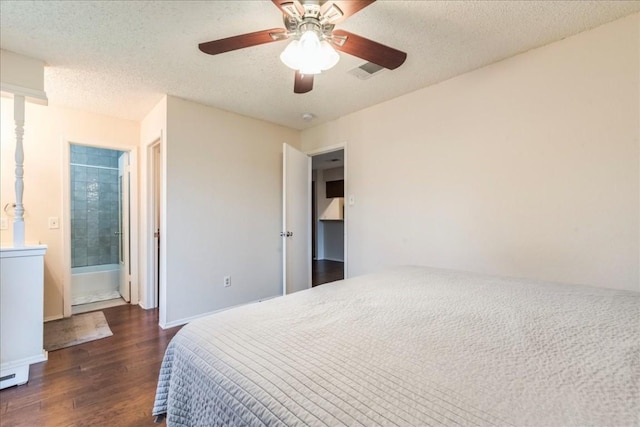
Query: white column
x,y
18,220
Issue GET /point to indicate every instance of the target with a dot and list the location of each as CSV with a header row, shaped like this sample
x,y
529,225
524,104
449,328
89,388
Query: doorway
x,y
326,214
99,201
327,217
156,203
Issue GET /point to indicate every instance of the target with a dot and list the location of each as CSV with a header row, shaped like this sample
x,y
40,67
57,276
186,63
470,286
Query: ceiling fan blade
x,y
369,50
345,9
245,40
303,83
290,7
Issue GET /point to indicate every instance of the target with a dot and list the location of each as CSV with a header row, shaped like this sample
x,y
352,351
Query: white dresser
x,y
21,312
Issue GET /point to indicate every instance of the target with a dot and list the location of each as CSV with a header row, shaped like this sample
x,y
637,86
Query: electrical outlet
x,y
54,222
227,281
4,224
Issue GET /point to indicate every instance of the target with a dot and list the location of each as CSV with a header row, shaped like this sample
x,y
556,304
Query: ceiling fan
x,y
310,23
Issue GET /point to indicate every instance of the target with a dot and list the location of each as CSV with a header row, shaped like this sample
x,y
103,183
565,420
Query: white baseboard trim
x,y
332,259
142,306
56,317
192,318
16,372
24,361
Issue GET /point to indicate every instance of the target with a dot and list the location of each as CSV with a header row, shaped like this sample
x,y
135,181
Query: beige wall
x,y
223,209
45,130
528,167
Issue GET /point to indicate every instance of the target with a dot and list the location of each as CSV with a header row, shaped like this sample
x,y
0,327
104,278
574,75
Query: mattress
x,y
411,346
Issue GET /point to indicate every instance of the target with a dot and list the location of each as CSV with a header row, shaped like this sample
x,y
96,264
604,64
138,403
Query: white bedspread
x,y
412,346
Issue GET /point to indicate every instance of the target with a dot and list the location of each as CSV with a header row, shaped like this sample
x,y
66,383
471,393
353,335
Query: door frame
x,y
66,215
331,149
154,292
124,214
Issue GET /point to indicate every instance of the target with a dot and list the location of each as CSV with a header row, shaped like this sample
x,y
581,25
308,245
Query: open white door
x,y
123,226
296,221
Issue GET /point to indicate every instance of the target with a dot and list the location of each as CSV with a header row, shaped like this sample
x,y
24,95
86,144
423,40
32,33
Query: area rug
x,y
75,330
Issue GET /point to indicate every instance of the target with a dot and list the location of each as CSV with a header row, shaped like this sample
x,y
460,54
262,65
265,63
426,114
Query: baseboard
x,y
25,361
181,322
16,372
56,317
142,306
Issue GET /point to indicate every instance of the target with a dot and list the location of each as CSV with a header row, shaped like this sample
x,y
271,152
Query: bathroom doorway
x,y
99,228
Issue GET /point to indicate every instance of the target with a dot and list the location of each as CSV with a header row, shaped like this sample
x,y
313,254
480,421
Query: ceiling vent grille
x,y
366,70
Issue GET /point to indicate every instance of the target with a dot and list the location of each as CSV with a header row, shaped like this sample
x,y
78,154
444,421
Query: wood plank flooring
x,y
325,271
110,381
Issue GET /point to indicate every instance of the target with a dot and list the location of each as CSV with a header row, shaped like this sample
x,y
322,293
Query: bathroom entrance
x,y
100,228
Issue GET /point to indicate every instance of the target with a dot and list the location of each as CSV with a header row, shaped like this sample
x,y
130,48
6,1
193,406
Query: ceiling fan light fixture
x,y
309,55
329,55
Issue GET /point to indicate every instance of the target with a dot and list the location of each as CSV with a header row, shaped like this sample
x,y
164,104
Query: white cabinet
x,y
21,312
334,211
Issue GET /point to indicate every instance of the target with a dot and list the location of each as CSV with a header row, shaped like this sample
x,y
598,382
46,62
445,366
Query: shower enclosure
x,y
98,223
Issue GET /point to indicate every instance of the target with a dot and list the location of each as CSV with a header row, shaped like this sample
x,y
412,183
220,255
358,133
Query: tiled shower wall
x,y
94,206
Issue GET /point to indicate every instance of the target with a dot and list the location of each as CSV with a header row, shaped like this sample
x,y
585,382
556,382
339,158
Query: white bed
x,y
411,346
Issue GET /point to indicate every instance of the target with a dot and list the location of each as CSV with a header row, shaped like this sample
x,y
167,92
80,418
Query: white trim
x,y
347,212
162,298
32,95
143,306
134,278
22,251
66,143
7,366
17,371
327,149
192,318
66,227
151,296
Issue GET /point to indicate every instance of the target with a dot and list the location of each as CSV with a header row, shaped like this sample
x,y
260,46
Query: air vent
x,y
366,70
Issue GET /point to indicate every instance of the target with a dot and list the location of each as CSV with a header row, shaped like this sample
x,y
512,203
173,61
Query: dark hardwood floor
x,y
108,382
325,271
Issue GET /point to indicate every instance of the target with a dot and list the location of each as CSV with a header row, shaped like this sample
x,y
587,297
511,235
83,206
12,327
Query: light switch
x,y
54,222
4,224
352,200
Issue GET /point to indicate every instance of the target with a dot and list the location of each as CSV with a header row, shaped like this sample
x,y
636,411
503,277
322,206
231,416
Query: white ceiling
x,y
119,57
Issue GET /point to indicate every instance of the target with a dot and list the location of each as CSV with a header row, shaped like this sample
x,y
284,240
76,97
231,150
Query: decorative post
x,y
18,220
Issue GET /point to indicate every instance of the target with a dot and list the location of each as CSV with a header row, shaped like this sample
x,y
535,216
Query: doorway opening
x,y
99,228
327,217
155,183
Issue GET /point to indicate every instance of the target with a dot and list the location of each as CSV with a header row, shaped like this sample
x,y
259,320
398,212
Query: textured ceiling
x,y
119,57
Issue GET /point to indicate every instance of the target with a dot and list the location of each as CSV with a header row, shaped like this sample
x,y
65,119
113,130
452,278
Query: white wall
x,y
46,128
223,209
528,167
